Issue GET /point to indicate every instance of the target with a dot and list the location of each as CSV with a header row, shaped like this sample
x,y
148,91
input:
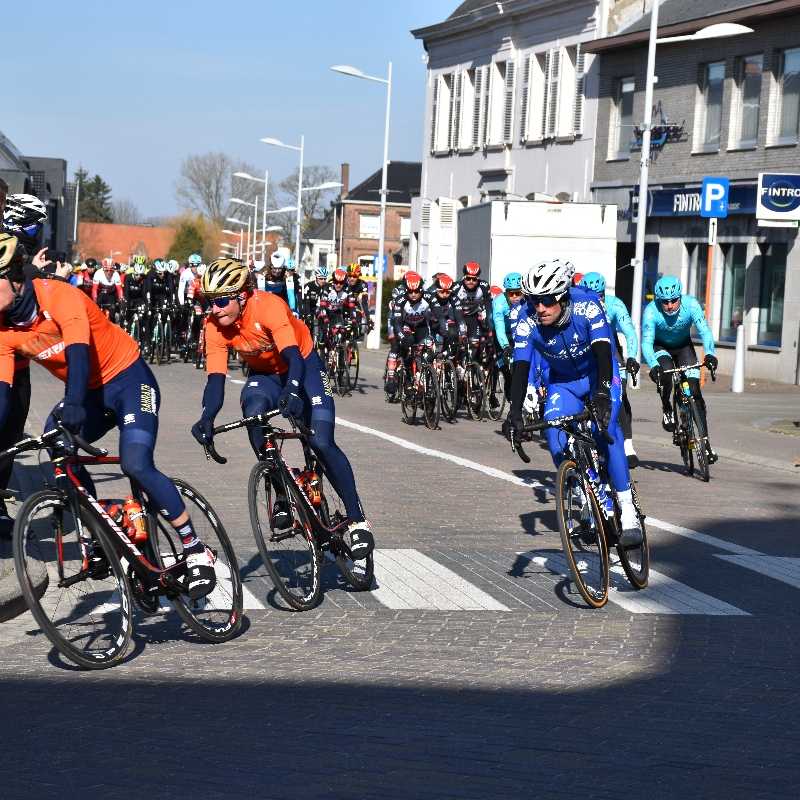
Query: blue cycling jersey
x,y
662,331
620,321
505,318
566,348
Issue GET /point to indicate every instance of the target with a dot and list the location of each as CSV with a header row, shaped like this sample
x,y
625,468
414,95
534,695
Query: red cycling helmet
x,y
339,276
577,278
445,282
413,281
495,291
472,268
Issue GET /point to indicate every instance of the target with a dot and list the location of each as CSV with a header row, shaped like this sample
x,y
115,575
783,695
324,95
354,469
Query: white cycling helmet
x,y
277,260
173,266
550,277
139,269
321,272
24,209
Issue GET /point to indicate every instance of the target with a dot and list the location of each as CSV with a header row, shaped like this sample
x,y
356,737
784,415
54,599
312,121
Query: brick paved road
x,y
497,684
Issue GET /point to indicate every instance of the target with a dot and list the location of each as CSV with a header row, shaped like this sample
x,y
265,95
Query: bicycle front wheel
x,y
699,442
408,397
430,397
475,391
353,364
448,389
582,536
290,553
495,395
635,560
216,617
78,593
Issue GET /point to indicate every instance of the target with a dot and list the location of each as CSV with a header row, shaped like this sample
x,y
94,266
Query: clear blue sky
x,y
129,88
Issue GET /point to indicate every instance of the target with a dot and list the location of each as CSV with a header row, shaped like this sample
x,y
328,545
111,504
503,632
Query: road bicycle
x,y
83,567
690,434
447,378
160,336
419,385
293,552
474,380
342,359
588,513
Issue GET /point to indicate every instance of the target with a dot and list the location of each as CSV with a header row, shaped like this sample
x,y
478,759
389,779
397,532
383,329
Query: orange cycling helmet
x,y
413,281
339,276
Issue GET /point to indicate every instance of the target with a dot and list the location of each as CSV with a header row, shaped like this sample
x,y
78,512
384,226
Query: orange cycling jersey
x,y
67,316
265,327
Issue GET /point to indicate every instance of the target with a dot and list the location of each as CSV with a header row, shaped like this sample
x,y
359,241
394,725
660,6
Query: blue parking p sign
x,y
714,197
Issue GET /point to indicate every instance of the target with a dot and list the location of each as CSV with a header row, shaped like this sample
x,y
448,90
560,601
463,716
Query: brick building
x,y
357,215
734,104
101,239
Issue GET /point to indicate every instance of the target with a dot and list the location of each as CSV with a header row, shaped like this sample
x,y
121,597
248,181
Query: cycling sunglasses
x,y
222,302
514,292
546,300
471,278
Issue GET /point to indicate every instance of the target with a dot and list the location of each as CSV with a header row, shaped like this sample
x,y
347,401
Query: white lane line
x,y
237,380
663,595
781,568
678,530
408,579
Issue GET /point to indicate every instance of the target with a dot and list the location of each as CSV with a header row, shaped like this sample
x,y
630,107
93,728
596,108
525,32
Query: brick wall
x,y
678,68
354,246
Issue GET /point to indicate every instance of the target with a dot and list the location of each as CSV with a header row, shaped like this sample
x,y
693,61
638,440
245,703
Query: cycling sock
x,y
188,536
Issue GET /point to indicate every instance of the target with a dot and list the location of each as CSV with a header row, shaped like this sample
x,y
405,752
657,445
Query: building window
x,y
773,274
698,269
788,97
622,118
708,108
405,228
734,271
501,102
369,226
442,113
464,138
747,102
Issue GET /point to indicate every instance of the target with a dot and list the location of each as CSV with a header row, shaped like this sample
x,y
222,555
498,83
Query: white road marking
x,y
237,380
663,594
678,530
781,568
408,579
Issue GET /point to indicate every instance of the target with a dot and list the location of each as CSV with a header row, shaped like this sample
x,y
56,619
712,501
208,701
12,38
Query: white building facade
x,y
510,113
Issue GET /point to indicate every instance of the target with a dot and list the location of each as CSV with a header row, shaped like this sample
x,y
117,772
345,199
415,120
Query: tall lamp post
x,y
265,180
374,338
300,149
241,233
254,206
709,32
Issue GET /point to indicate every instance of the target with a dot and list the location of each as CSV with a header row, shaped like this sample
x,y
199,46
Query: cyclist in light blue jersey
x,y
568,327
667,325
506,310
620,321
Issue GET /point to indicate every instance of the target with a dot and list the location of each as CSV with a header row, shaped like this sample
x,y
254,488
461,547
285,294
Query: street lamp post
x,y
301,150
265,181
254,206
374,338
241,232
709,32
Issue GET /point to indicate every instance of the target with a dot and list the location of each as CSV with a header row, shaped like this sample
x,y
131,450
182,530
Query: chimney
x,y
345,180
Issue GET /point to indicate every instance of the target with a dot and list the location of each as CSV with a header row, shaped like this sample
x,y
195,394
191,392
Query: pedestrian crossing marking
x,y
408,579
781,568
663,595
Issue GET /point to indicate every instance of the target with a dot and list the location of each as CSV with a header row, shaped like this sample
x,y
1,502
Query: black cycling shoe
x,y
668,421
712,456
200,575
281,518
362,542
6,527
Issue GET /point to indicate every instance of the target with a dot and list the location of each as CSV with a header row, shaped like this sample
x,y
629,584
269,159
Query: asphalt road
x,y
472,670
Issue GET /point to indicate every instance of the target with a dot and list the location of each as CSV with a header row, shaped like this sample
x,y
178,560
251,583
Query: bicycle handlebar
x,y
699,365
40,442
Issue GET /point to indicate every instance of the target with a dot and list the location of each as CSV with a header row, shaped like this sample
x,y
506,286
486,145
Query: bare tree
x,y
313,204
124,212
204,183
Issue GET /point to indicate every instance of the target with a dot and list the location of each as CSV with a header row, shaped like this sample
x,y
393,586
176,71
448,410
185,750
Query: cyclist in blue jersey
x,y
620,321
276,281
506,309
667,325
568,327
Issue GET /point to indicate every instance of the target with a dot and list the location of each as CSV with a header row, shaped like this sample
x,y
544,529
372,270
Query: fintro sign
x,y
778,197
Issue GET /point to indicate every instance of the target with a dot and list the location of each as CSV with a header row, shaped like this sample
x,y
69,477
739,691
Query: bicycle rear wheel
x,y
291,555
342,371
216,617
353,364
408,397
582,536
635,560
83,605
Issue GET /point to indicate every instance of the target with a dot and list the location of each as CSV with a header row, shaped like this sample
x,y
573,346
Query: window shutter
x,y
488,80
508,111
546,93
524,99
455,118
434,113
477,117
552,94
577,123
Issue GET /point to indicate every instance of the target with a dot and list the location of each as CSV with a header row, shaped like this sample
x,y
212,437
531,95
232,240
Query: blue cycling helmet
x,y
321,272
668,287
290,265
512,281
195,260
594,281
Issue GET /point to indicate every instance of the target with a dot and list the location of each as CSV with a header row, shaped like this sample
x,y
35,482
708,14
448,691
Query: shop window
x,y
369,226
622,119
786,105
698,269
773,275
733,280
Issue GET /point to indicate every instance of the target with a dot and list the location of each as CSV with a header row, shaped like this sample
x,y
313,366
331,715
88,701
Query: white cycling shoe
x,y
631,535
